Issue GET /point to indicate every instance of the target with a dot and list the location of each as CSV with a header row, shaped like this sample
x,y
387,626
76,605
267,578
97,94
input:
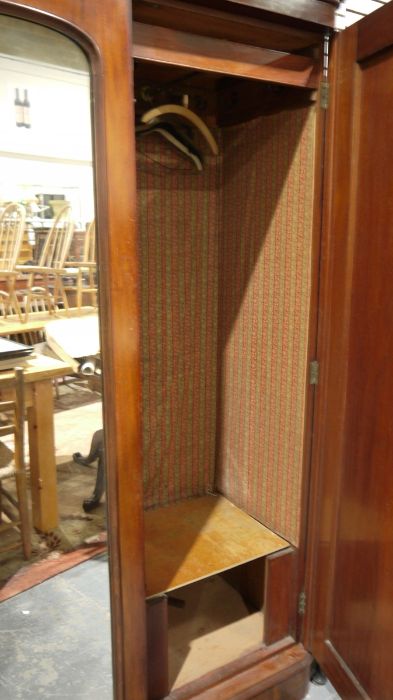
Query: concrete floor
x,y
322,692
55,639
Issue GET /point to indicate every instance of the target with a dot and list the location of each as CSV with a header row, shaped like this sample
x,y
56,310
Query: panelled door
x,y
349,624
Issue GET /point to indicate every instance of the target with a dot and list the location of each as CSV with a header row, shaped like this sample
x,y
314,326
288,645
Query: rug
x,y
77,530
78,533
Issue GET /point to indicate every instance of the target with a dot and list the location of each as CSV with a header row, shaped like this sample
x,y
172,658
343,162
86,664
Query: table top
x,y
38,368
39,319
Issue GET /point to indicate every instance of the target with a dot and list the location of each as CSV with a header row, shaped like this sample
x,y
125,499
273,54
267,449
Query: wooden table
x,y
38,319
39,372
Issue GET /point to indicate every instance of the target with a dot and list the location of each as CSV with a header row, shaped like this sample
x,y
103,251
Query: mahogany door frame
x,y
102,29
361,41
105,36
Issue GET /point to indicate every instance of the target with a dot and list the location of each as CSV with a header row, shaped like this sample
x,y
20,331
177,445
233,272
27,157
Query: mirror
x,y
58,598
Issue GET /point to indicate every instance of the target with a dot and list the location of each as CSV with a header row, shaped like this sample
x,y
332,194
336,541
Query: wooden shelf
x,y
196,538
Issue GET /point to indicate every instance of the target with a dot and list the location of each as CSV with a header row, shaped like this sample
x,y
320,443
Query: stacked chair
x,y
12,225
14,513
45,279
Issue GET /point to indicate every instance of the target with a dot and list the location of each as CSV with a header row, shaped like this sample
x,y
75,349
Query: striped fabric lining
x,y
178,225
265,261
225,287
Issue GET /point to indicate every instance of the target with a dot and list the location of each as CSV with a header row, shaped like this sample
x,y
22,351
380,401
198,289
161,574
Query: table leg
x,y
42,457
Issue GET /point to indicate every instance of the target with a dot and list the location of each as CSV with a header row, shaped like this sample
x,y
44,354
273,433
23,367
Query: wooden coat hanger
x,y
169,132
187,113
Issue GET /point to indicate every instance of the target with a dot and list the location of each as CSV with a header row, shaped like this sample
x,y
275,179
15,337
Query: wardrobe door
x,y
349,627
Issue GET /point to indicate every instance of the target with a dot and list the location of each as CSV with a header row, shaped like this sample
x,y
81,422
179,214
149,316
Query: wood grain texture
x,y
93,26
374,34
334,303
292,12
157,647
249,580
199,537
352,553
207,21
221,56
280,596
282,676
362,622
294,688
41,367
42,458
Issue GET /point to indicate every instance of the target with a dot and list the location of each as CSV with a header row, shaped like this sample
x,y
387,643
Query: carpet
x,y
78,533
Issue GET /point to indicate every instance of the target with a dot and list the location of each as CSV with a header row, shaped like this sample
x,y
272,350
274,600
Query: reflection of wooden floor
x,y
195,538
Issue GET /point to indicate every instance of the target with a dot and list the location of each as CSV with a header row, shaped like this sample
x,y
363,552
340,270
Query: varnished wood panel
x,y
157,647
291,12
280,596
249,580
350,554
294,688
282,676
199,537
207,21
375,34
220,56
362,624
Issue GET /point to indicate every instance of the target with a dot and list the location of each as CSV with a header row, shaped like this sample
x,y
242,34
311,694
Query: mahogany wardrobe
x,y
243,156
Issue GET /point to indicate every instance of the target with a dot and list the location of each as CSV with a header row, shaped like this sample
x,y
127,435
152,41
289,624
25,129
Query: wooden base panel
x,y
261,675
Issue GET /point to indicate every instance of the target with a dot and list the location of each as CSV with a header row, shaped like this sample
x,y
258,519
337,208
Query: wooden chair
x,y
14,512
82,274
12,226
50,267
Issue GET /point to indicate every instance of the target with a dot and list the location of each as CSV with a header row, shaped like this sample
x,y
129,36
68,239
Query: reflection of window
x,y
53,157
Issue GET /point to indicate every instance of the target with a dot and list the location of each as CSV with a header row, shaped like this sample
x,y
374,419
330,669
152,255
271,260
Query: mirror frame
x,y
102,28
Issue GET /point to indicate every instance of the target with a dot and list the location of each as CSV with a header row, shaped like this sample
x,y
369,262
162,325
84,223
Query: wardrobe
x,y
246,301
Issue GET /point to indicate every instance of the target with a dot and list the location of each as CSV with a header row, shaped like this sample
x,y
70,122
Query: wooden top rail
x,y
152,43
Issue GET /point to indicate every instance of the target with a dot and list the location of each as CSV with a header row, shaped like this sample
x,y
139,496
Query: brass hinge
x,y
302,603
325,89
314,372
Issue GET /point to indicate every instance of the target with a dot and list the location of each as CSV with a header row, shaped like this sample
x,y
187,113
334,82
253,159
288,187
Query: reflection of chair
x,y
12,224
83,272
14,513
50,267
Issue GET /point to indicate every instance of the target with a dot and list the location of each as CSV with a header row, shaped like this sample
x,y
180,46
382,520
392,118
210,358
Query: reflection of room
x,y
216,520
48,284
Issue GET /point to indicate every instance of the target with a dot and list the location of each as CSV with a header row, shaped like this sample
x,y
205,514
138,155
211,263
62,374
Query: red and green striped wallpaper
x,y
179,232
264,283
225,289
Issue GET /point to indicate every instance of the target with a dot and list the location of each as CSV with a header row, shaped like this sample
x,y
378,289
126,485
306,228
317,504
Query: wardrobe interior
x,y
225,282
